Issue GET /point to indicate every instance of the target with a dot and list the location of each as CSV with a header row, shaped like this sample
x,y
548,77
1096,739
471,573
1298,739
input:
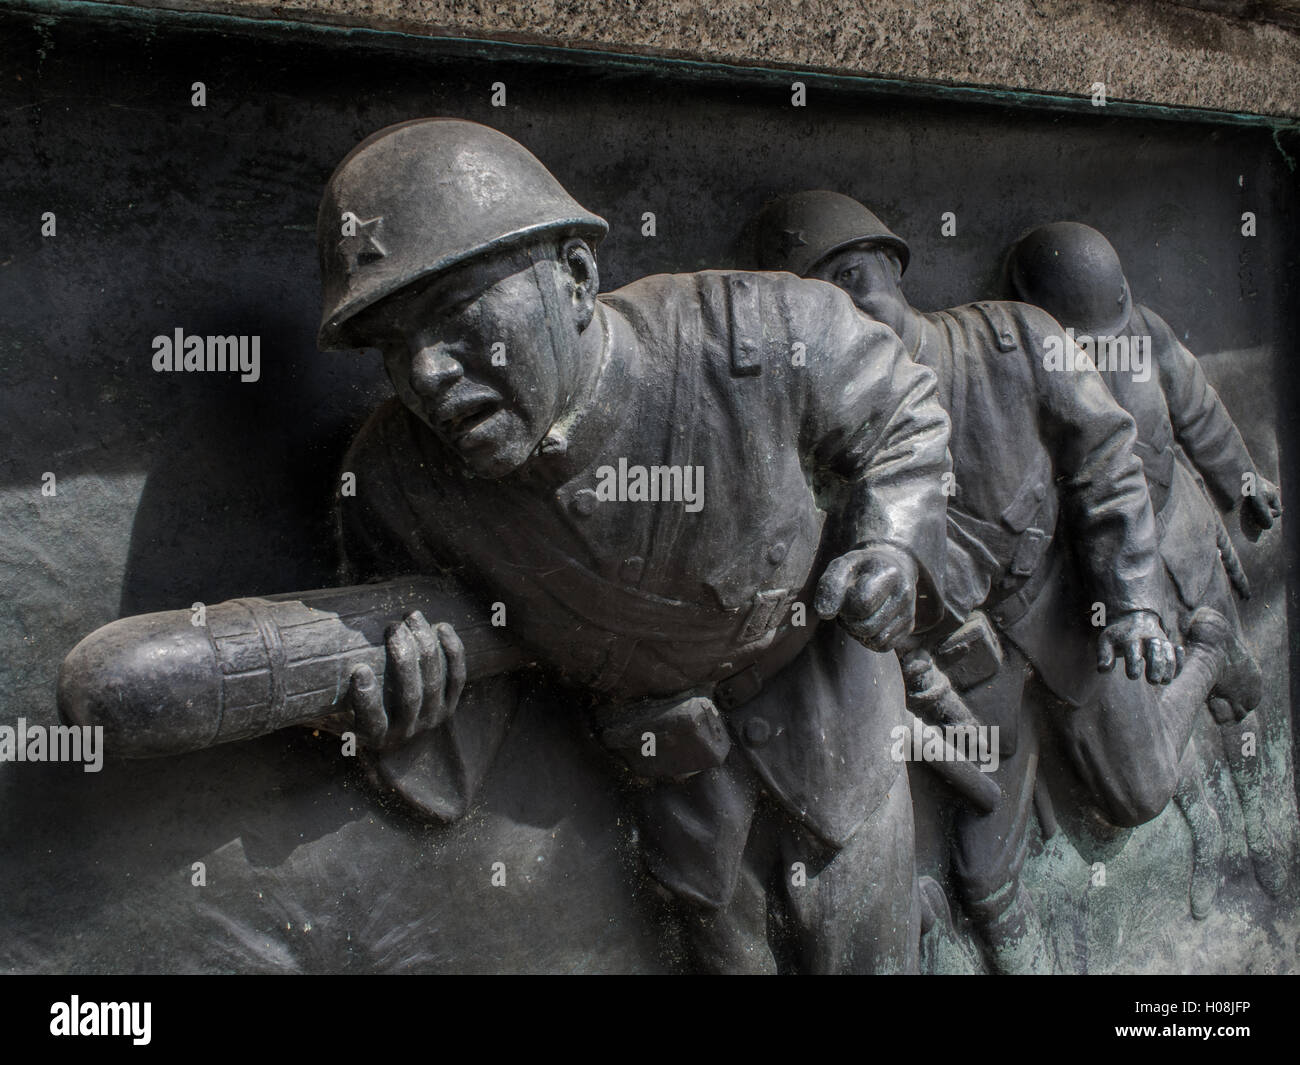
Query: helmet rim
x,y
444,191
332,335
894,244
825,221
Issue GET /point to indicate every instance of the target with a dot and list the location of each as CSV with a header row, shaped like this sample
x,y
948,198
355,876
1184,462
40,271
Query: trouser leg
x,y
1240,728
1127,744
855,910
990,848
1207,833
698,842
733,939
1241,747
988,858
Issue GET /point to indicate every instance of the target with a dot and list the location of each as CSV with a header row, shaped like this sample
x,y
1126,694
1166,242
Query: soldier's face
x,y
475,356
870,277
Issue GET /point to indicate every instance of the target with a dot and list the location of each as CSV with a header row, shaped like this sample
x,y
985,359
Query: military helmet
x,y
797,232
1073,273
420,197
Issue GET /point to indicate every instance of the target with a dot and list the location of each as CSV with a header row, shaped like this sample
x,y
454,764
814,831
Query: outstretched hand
x,y
1138,638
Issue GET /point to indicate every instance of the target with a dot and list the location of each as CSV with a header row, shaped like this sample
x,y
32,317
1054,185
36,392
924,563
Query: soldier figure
x,y
1195,464
538,453
1018,432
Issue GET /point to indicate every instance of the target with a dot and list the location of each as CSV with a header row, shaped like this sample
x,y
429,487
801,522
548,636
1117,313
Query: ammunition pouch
x,y
686,732
671,737
972,654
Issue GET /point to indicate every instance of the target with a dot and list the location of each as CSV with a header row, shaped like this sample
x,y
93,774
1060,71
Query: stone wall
x,y
1218,54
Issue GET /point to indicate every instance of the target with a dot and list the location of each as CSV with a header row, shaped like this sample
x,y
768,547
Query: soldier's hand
x,y
873,593
1138,637
1259,511
423,681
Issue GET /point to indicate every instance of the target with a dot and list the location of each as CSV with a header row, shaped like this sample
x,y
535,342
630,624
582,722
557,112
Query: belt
x,y
742,686
1018,554
1010,609
688,727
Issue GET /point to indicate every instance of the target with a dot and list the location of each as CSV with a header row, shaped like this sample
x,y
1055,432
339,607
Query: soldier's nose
x,y
433,369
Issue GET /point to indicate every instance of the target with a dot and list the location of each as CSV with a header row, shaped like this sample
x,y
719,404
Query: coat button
x,y
776,553
630,570
757,731
584,502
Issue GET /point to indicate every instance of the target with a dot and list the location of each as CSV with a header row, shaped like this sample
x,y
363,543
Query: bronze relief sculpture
x,y
1032,416
749,525
1196,466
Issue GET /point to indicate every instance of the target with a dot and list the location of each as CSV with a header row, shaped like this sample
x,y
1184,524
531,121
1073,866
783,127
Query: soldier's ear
x,y
584,276
895,263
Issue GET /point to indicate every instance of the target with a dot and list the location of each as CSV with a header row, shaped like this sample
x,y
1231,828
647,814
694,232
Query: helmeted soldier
x,y
1134,755
1031,452
549,450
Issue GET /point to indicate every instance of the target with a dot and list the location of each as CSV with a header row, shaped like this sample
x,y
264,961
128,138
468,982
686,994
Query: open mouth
x,y
468,416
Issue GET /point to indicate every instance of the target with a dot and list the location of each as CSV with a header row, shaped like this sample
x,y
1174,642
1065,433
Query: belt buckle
x,y
765,613
738,688
1029,552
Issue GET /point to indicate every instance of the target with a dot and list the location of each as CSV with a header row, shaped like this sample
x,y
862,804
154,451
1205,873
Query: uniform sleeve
x,y
1201,422
873,418
379,536
439,771
1104,488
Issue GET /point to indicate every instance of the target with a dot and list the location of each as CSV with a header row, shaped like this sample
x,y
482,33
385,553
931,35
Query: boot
x,y
1239,683
934,904
1014,937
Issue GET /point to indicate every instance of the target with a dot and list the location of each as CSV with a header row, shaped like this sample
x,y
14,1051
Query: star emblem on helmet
x,y
789,239
360,245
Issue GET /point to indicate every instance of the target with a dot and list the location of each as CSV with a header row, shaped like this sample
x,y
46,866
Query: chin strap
x,y
543,260
555,441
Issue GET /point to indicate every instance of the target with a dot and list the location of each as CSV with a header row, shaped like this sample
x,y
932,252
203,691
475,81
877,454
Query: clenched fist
x,y
873,592
1261,510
